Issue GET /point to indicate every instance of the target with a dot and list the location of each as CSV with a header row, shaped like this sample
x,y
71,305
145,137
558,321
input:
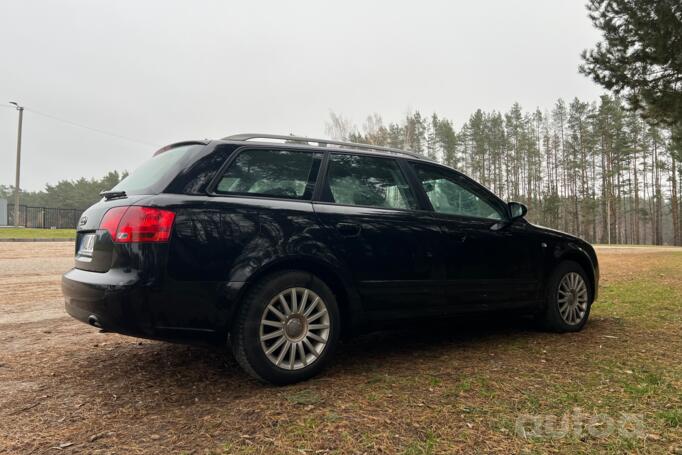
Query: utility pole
x,y
18,170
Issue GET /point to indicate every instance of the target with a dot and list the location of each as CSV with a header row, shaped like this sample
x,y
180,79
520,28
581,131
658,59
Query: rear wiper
x,y
112,194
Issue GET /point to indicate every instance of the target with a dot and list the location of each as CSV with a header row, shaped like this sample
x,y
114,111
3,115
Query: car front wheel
x,y
568,299
287,328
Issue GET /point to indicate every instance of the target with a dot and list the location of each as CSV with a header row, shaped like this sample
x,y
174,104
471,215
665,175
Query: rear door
x,y
258,209
489,261
374,224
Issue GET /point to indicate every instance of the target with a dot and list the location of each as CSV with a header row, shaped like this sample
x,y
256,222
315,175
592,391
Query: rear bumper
x,y
123,302
115,300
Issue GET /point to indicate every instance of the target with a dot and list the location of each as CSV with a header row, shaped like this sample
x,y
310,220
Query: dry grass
x,y
29,233
434,390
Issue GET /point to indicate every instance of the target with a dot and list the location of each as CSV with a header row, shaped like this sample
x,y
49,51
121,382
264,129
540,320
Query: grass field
x,y
471,388
27,233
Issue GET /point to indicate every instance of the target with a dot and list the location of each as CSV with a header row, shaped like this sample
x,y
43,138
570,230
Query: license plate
x,y
87,245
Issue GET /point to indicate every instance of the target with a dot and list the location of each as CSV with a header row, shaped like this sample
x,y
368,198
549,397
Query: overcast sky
x,y
163,71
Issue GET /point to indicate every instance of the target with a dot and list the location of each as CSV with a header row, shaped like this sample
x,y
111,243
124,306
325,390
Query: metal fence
x,y
3,212
44,217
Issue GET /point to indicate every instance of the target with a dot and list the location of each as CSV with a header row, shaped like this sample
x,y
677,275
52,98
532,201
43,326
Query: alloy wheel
x,y
294,328
572,298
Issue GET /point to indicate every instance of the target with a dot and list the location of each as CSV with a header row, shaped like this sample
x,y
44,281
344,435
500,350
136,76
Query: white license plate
x,y
87,245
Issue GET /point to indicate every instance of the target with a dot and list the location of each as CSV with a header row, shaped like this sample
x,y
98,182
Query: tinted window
x,y
370,181
154,170
276,173
449,193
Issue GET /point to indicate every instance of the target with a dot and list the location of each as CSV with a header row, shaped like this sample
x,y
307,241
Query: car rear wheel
x,y
568,299
287,328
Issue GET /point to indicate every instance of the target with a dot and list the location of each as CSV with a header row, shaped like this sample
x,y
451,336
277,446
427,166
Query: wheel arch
x,y
578,255
348,299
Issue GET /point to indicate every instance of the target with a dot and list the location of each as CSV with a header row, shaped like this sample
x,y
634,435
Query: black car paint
x,y
383,264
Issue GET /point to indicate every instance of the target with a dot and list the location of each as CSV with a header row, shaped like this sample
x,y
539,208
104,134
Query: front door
x,y
489,260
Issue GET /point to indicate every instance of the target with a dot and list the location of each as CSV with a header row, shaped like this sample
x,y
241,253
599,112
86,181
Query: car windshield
x,y
152,171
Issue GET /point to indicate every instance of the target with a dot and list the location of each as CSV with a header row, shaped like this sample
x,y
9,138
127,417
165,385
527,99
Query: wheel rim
x,y
572,298
294,328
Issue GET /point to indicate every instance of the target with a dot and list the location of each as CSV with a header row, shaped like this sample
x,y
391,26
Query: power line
x,y
79,125
96,130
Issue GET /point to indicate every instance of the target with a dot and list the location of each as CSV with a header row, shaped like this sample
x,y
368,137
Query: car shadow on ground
x,y
173,373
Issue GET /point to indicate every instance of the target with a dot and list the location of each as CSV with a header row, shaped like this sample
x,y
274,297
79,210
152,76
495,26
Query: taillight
x,y
138,224
111,220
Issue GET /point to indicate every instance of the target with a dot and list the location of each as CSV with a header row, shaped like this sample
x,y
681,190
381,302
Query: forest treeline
x,y
67,194
594,169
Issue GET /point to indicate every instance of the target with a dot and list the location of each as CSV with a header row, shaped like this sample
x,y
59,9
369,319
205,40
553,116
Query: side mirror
x,y
517,210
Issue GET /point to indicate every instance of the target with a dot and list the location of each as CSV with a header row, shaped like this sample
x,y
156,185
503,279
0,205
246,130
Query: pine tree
x,y
596,170
640,56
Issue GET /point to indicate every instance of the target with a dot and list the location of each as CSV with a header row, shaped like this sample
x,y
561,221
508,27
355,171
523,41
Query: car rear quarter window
x,y
367,181
271,173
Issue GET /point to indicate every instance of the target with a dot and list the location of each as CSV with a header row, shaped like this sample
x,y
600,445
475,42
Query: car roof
x,y
290,141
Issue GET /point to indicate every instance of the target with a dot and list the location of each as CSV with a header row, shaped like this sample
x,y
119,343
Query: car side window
x,y
449,193
367,181
274,173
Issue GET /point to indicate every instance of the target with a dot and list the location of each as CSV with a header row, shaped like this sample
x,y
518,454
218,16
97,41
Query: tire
x,y
265,326
568,299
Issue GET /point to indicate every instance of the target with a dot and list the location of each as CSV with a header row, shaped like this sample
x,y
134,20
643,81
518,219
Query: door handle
x,y
348,229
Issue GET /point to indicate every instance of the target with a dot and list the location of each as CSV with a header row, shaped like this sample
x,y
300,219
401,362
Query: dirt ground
x,y
66,388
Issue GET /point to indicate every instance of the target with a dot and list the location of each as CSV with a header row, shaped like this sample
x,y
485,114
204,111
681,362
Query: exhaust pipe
x,y
93,321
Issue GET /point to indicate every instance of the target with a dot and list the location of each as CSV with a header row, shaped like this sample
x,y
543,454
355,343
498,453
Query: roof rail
x,y
322,143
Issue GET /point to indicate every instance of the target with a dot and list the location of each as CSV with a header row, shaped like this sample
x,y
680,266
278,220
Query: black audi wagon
x,y
278,245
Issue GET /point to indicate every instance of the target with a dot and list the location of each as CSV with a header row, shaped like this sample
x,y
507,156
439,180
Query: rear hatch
x,y
100,244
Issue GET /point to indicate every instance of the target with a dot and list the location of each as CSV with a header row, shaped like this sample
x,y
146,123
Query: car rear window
x,y
147,177
368,181
274,173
